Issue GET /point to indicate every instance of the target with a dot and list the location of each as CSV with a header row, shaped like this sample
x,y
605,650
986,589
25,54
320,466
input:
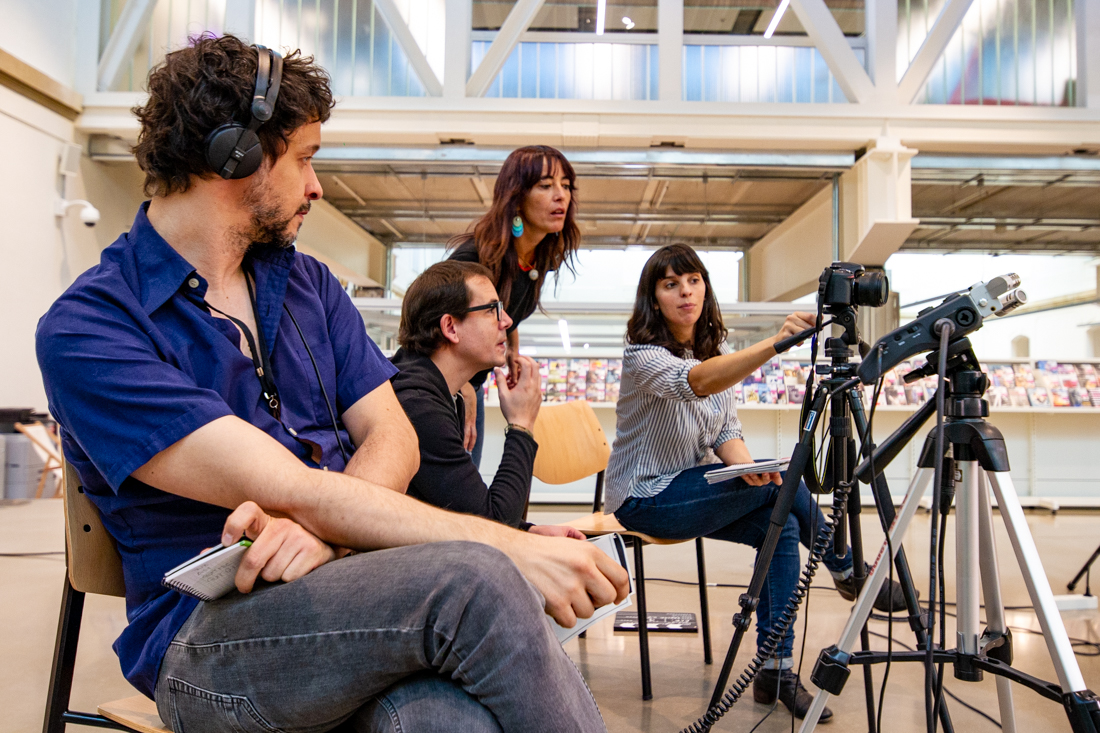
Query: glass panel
x,y
753,17
574,71
1004,52
759,74
347,37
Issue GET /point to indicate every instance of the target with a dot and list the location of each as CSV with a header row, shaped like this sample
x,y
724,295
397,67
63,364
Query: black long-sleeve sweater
x,y
448,477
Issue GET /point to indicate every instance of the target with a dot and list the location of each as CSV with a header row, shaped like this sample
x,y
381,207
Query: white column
x,y
670,49
456,53
87,46
882,43
1088,53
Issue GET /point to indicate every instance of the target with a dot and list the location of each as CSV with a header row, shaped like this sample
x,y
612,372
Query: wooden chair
x,y
94,566
572,446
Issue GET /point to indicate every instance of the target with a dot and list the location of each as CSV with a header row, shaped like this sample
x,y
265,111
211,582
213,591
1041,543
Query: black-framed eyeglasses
x,y
497,305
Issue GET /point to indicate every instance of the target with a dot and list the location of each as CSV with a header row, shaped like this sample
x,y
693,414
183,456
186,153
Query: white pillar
x,y
456,52
670,49
1088,53
882,42
876,203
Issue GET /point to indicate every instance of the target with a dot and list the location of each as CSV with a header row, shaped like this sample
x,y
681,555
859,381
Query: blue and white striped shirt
x,y
663,427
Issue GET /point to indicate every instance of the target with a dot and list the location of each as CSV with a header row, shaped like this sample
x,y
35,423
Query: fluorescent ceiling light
x,y
563,327
601,16
775,18
626,21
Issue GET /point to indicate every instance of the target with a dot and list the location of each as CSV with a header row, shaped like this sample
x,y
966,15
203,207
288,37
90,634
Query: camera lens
x,y
871,289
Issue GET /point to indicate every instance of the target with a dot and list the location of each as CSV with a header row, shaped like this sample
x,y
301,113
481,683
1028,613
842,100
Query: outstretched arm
x,y
719,373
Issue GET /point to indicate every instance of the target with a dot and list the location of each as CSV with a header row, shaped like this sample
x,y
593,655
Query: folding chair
x,y
94,566
572,446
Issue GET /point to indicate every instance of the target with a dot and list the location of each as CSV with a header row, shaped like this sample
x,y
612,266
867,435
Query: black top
x,y
521,301
448,477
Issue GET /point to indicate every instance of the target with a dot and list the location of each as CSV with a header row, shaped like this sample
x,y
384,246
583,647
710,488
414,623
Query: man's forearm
x,y
389,459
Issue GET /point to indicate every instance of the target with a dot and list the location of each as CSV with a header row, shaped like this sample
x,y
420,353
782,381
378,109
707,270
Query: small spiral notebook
x,y
209,575
613,546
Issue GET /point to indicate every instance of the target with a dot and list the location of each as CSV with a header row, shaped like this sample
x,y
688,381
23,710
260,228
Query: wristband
x,y
520,428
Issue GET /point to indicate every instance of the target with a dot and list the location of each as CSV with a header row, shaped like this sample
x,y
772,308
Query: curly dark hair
x,y
209,84
648,326
438,291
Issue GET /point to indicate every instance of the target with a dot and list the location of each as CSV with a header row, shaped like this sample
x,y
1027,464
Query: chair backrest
x,y
572,445
94,563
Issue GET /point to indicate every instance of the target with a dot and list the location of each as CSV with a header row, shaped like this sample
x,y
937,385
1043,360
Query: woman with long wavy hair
x,y
529,231
676,419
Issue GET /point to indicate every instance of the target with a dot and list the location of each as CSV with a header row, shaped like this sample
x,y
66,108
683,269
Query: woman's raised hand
x,y
796,323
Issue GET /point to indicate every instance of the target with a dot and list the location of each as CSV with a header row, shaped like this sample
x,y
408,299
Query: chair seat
x,y
137,713
600,523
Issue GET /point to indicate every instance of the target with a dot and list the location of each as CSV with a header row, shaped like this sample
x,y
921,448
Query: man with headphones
x,y
212,383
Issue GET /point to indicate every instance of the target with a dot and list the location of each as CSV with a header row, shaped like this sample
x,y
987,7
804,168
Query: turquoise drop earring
x,y
517,227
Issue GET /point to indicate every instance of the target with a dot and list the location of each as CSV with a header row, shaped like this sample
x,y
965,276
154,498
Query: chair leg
x,y
64,659
643,619
704,606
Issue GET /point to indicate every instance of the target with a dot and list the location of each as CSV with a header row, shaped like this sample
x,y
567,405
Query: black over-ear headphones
x,y
233,150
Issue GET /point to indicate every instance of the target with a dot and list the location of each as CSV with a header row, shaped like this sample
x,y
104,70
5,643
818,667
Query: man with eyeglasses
x,y
453,325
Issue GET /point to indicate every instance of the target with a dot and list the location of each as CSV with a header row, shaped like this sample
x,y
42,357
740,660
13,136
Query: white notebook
x,y
613,546
740,469
209,575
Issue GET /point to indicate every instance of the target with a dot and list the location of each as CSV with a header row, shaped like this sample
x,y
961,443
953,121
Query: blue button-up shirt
x,y
132,363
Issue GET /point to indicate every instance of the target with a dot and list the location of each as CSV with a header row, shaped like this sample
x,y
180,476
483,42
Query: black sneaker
x,y
890,597
772,683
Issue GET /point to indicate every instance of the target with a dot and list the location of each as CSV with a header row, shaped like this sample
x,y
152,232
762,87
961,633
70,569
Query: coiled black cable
x,y
790,611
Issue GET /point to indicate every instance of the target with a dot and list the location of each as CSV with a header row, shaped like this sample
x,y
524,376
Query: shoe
x,y
784,684
890,597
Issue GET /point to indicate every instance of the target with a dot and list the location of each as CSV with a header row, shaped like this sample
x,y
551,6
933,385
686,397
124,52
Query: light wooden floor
x,y
30,590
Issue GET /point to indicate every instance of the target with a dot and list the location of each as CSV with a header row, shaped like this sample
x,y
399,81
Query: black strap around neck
x,y
260,359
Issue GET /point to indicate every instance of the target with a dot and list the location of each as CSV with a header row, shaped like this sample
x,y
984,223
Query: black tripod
x,y
839,391
980,461
1086,571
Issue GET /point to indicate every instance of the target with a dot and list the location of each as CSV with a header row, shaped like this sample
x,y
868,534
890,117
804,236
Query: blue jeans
x,y
734,511
439,637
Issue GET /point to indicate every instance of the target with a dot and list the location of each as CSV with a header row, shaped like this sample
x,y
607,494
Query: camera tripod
x,y
840,392
979,461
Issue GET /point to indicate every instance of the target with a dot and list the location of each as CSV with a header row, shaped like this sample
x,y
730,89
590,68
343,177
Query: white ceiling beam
x,y
400,29
670,50
132,24
835,49
882,45
931,50
514,26
456,47
1088,53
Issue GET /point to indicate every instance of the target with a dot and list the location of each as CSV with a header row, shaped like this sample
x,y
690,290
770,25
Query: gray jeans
x,y
439,637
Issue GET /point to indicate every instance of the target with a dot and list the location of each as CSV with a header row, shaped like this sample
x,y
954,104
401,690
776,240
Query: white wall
x,y
42,33
40,256
337,237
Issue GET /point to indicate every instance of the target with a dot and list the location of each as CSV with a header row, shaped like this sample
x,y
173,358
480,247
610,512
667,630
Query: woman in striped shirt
x,y
677,417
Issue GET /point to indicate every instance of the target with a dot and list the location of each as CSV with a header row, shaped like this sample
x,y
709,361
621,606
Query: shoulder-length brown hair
x,y
648,326
492,233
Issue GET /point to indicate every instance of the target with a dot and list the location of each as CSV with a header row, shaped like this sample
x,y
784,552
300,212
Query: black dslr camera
x,y
844,284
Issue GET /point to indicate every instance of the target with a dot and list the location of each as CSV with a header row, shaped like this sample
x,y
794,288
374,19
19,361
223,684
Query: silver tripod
x,y
980,461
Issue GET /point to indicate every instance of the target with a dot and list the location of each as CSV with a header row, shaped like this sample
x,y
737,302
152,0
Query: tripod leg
x,y
1038,587
996,626
966,552
865,603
